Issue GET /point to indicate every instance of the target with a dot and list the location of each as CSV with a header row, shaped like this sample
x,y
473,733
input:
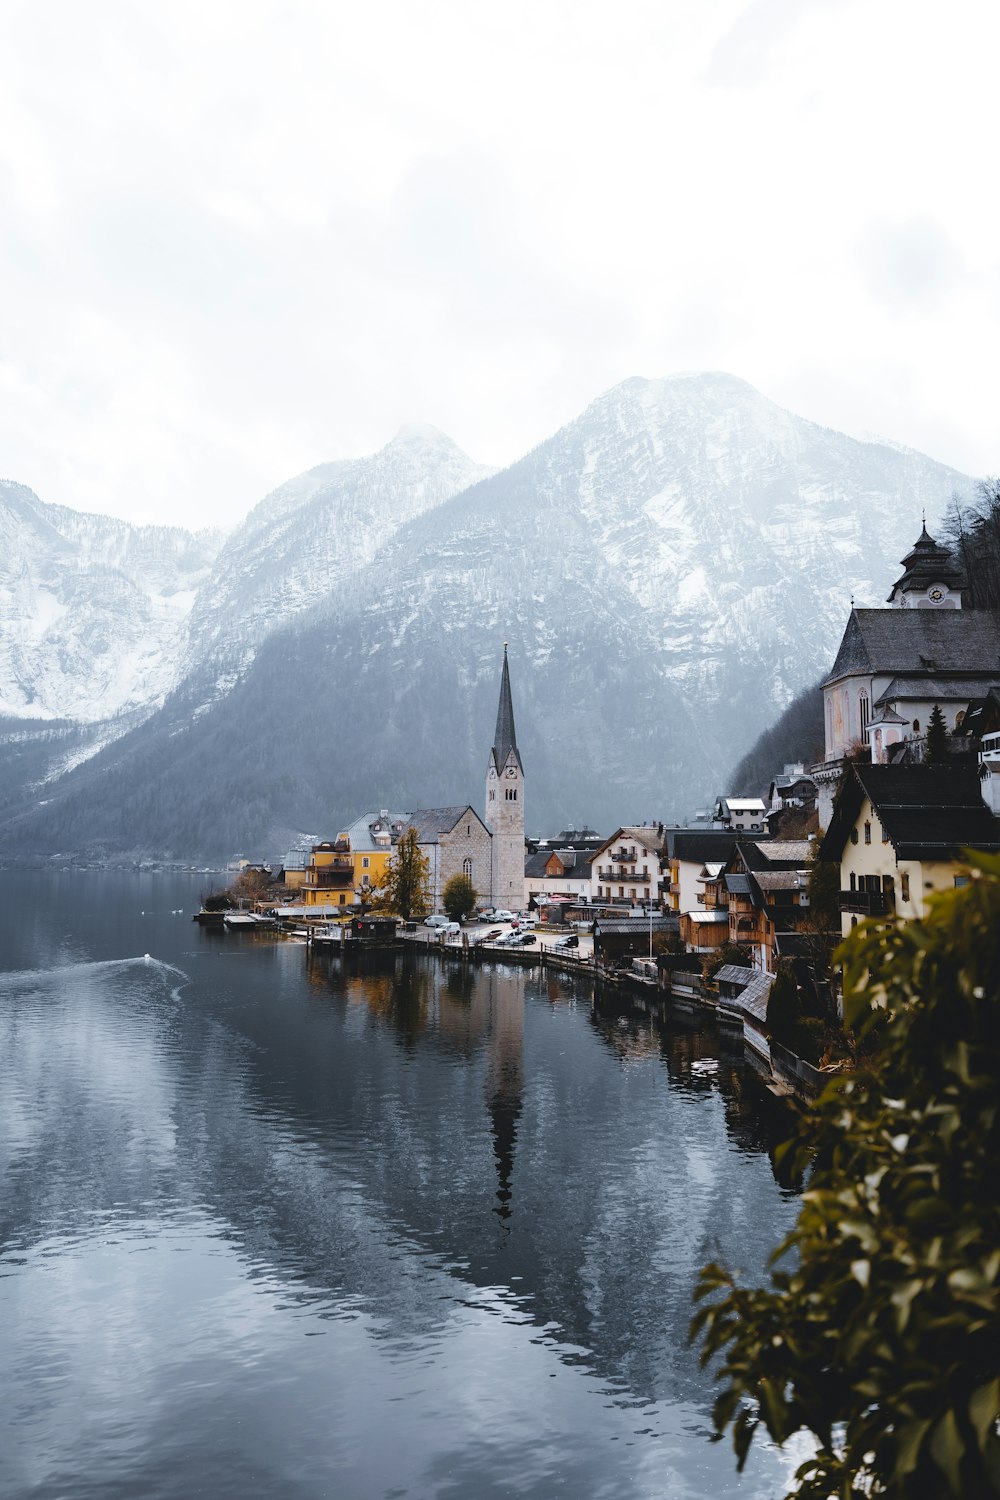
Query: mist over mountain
x,y
669,569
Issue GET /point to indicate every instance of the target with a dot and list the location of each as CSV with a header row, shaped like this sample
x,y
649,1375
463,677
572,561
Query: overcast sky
x,y
237,239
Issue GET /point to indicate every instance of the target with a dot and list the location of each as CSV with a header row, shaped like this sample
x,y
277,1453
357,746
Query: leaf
x,y
908,1444
984,1408
947,1448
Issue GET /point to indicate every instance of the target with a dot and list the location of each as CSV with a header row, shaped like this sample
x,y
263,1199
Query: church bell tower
x,y
505,804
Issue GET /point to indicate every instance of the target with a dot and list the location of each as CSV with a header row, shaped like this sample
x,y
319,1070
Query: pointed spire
x,y
505,740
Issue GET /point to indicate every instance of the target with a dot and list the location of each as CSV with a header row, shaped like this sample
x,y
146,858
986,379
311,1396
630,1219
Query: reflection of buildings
x,y
505,1076
472,1010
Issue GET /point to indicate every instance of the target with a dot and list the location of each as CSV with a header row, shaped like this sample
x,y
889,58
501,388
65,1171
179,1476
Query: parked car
x,y
436,921
491,936
522,939
449,929
572,941
502,915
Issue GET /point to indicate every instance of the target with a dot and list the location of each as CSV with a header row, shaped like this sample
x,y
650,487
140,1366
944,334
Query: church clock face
x,y
511,773
935,592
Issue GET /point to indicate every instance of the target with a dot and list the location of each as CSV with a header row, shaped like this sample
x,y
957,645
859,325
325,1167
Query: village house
x,y
557,872
794,788
689,852
340,872
705,927
767,888
897,834
740,814
628,868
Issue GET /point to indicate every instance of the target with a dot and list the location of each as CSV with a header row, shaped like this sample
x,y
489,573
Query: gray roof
x,y
637,925
933,689
928,812
504,739
947,641
360,831
734,974
782,880
756,986
699,845
431,822
886,715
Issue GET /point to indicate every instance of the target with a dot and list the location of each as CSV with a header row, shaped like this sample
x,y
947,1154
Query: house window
x,y
916,726
854,881
854,835
961,880
904,887
364,862
868,833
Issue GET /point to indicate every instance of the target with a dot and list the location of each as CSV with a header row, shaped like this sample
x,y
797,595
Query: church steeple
x,y
505,739
932,578
505,804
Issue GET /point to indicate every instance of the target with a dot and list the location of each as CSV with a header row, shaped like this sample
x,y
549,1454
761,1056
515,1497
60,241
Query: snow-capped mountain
x,y
669,569
309,537
93,611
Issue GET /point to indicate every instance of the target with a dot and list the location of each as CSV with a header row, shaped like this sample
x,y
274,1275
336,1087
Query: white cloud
x,y
238,240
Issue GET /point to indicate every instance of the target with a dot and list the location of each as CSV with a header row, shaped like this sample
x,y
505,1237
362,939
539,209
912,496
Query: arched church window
x,y
916,726
467,868
868,833
865,714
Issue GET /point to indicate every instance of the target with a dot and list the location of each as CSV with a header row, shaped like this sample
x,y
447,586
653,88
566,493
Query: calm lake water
x,y
271,1226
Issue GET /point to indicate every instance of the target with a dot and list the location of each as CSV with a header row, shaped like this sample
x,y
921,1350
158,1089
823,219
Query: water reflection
x,y
435,1225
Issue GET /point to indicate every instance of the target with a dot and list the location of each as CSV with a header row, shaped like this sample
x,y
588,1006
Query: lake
x,y
275,1224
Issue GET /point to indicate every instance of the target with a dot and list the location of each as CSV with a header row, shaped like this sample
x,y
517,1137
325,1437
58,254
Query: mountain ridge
x,y
670,567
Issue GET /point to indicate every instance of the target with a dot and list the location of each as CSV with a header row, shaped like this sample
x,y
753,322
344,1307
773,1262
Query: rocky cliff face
x,y
668,569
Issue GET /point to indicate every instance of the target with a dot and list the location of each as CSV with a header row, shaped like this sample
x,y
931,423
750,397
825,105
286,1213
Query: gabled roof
x,y
647,836
886,715
775,854
952,642
928,812
432,822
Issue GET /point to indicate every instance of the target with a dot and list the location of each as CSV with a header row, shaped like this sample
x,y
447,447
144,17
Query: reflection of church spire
x,y
505,1080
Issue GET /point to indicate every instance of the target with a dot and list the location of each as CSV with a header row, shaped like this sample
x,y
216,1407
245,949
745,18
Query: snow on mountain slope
x,y
669,568
310,536
92,610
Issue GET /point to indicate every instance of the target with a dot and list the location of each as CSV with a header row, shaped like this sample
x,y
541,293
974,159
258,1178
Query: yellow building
x,y
341,872
897,833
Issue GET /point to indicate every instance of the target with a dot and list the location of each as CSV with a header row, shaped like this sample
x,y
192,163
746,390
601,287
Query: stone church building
x,y
490,850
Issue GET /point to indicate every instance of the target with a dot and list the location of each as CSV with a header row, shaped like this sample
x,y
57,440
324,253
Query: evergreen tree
x,y
783,1009
404,888
881,1335
936,749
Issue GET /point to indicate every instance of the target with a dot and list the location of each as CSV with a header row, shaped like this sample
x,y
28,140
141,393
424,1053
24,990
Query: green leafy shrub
x,y
880,1331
